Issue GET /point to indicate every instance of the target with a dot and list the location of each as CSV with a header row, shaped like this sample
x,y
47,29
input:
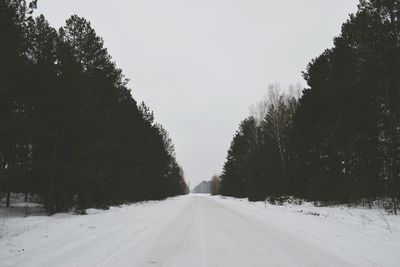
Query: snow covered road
x,y
200,230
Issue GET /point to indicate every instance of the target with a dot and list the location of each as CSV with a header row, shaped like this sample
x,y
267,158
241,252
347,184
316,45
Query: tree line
x,y
70,130
339,140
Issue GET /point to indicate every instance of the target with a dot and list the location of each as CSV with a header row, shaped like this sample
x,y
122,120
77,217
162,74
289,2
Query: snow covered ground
x,y
200,230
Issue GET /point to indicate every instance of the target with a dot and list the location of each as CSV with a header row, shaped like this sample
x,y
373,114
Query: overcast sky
x,y
200,64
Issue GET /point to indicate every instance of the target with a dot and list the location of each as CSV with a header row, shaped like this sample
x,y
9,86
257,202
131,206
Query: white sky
x,y
200,64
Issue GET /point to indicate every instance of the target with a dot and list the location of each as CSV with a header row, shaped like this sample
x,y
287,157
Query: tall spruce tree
x,y
340,142
70,130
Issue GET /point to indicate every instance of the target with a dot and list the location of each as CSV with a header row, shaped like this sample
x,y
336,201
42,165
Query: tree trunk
x,y
8,199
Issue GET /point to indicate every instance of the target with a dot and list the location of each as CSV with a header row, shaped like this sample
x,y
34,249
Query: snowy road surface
x,y
200,230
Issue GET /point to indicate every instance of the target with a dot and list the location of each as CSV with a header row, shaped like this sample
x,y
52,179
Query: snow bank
x,y
370,234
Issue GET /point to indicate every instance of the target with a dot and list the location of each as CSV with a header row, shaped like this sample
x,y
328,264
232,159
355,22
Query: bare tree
x,y
259,110
280,108
215,185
